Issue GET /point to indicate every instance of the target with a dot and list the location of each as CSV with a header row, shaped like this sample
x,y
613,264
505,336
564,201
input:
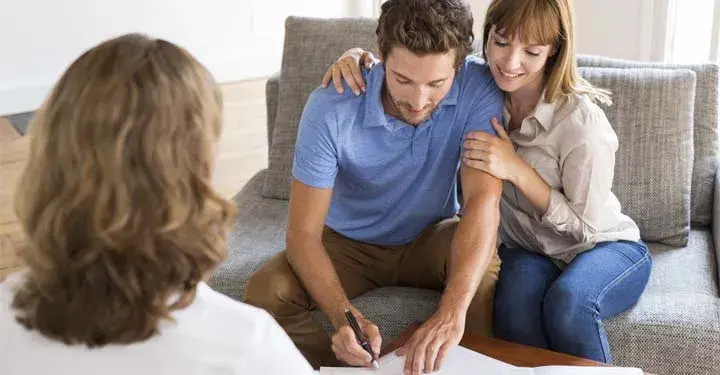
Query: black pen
x,y
361,336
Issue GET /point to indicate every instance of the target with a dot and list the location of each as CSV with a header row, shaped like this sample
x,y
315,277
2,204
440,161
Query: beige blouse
x,y
572,147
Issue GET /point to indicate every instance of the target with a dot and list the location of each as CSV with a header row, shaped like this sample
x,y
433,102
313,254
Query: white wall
x,y
235,39
630,29
239,39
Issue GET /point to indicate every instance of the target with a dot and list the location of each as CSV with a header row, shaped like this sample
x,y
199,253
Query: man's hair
x,y
426,26
116,201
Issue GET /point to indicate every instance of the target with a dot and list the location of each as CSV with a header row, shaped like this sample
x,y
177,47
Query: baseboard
x,y
24,99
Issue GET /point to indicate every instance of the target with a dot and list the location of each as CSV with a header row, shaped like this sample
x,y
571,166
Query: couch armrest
x,y
272,88
716,221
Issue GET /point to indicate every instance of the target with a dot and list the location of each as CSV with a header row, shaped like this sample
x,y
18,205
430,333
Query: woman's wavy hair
x,y
116,201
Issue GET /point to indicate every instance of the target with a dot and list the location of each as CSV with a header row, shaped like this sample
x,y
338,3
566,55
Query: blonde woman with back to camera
x,y
123,226
570,257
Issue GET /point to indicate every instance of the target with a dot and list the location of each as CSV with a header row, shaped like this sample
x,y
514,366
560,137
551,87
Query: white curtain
x,y
692,31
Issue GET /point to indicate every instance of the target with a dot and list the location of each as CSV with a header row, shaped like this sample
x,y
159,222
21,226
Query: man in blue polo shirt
x,y
374,199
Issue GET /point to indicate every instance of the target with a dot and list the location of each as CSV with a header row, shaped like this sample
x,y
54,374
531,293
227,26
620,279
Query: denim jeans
x,y
538,304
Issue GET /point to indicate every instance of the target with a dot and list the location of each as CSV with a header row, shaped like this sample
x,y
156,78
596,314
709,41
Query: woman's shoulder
x,y
9,286
247,328
583,122
578,112
224,307
580,106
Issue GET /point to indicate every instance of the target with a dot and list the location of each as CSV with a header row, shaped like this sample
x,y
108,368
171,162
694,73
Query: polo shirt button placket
x,y
420,143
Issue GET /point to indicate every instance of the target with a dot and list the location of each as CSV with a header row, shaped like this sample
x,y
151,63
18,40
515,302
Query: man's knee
x,y
480,315
275,287
488,284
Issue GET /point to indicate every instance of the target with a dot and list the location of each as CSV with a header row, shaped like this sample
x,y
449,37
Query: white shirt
x,y
214,335
572,147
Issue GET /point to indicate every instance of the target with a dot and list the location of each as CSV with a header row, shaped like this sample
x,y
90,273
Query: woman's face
x,y
513,64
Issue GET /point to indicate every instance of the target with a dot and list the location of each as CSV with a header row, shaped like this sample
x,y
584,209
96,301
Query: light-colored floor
x,y
243,152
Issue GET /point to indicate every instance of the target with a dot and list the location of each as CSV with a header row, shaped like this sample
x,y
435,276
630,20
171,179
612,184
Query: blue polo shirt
x,y
390,179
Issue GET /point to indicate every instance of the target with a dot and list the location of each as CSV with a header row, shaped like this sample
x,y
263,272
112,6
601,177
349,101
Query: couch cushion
x,y
311,45
393,309
705,126
675,326
257,235
673,329
688,270
668,334
652,115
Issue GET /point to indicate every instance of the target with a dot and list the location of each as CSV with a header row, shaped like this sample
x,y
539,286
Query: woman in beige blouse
x,y
570,257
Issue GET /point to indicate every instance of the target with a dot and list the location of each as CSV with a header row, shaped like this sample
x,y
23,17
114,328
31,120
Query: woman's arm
x,y
587,164
587,176
496,155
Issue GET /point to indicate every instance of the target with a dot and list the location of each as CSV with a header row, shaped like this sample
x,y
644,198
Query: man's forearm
x,y
310,261
471,251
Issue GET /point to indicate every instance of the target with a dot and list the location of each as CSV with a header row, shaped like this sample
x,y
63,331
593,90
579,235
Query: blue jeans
x,y
538,304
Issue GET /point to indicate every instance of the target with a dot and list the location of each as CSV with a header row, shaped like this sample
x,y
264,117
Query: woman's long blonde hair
x,y
548,22
116,201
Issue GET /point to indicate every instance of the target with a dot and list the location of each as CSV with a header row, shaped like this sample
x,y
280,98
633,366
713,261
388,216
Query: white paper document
x,y
458,361
573,370
462,361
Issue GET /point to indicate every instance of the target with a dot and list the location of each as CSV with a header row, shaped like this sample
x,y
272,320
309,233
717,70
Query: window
x,y
692,31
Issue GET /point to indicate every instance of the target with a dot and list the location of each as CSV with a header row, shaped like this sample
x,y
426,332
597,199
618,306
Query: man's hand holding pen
x,y
348,345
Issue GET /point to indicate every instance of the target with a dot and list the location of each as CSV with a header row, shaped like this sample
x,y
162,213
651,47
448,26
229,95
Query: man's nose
x,y
419,99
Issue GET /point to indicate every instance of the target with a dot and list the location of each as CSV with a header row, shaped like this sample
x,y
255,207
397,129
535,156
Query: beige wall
x,y
617,28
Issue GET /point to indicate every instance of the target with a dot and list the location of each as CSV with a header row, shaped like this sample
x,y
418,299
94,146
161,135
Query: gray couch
x,y
666,117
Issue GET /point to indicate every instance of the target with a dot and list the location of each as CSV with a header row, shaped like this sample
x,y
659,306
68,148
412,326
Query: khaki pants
x,y
362,267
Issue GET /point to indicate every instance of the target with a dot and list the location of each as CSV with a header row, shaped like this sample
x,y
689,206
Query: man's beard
x,y
397,106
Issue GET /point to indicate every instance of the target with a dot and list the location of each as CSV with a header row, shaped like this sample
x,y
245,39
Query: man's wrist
x,y
453,307
337,318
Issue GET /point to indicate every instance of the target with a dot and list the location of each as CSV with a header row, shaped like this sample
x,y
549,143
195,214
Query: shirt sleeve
x,y
315,162
587,171
487,103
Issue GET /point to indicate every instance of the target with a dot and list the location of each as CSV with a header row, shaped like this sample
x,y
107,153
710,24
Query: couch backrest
x,y
311,45
652,115
705,127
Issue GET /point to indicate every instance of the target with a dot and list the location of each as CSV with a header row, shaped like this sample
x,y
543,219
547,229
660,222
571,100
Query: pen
x,y
361,337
